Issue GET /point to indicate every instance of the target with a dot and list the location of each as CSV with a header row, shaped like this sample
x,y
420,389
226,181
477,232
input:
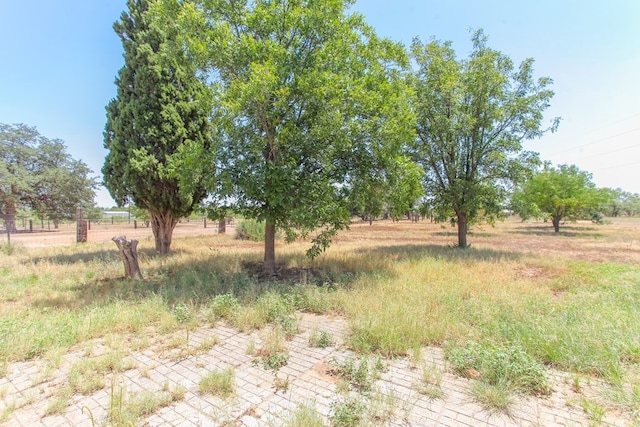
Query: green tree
x,y
631,204
308,97
621,202
37,173
405,187
560,193
160,113
473,115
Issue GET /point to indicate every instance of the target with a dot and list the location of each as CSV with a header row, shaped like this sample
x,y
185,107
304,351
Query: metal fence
x,y
30,232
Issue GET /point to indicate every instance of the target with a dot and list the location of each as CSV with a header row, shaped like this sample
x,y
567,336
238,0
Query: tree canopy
x,y
37,173
472,116
161,110
307,99
565,192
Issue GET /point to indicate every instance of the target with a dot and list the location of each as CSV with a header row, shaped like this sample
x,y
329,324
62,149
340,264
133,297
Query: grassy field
x,y
520,300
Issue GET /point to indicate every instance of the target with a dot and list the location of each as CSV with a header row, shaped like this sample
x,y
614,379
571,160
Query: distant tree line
x,y
37,174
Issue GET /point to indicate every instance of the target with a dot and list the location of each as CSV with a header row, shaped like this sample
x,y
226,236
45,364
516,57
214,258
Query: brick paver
x,y
307,379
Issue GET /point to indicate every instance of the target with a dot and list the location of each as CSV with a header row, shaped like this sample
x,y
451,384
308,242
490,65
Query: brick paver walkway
x,y
309,378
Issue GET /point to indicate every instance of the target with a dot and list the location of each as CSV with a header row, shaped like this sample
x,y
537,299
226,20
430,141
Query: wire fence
x,y
36,233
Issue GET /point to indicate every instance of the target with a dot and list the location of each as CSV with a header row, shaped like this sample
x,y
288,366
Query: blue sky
x,y
60,59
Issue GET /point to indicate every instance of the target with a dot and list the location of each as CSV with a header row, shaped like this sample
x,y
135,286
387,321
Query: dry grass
x,y
568,299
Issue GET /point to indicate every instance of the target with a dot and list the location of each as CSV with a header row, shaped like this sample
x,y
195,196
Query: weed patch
x,y
320,339
348,412
87,376
360,373
509,367
218,383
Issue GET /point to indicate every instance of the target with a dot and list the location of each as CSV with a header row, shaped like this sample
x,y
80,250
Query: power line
x,y
617,166
596,141
609,152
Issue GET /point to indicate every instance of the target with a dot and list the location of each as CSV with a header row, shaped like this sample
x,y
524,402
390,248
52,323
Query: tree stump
x,y
129,255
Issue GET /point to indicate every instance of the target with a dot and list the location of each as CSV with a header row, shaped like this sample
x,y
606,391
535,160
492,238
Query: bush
x,y
509,366
250,229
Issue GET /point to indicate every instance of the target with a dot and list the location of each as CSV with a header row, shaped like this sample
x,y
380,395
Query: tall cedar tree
x,y
473,115
309,98
161,107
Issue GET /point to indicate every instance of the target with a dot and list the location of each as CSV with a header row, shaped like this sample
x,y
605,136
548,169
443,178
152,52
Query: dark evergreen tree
x,y
160,113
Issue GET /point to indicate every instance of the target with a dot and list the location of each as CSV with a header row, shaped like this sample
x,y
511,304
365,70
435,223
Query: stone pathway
x,y
310,379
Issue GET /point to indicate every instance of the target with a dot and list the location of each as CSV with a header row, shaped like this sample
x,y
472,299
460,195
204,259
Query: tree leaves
x,y
473,115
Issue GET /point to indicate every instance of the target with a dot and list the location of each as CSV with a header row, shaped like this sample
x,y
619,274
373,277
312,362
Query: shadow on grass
x,y
198,281
99,255
447,253
565,231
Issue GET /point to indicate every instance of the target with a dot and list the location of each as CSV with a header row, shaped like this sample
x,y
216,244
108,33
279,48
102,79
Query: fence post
x,y
205,222
30,226
135,224
81,227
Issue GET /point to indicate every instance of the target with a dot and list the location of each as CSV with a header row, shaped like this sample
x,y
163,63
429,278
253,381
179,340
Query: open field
x,y
44,236
523,319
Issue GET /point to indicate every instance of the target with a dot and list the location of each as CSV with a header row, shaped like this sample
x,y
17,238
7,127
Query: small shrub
x,y
274,360
348,413
273,355
289,326
218,383
250,229
223,307
510,367
321,339
182,313
274,306
281,384
360,373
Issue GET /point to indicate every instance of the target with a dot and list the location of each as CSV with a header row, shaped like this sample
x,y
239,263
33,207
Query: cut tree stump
x,y
129,254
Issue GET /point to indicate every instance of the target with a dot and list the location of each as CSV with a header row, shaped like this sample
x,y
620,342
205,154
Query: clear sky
x,y
60,59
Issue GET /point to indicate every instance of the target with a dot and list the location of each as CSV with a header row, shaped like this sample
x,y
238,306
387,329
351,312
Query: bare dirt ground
x,y
104,231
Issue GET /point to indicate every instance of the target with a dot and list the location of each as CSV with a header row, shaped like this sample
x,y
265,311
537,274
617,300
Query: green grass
x,y
304,416
88,375
349,412
218,383
361,373
321,339
400,286
127,409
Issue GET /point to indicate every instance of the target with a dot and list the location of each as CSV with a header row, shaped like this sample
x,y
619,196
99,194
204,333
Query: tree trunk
x,y
462,230
129,255
370,219
556,223
10,217
222,226
162,226
269,249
